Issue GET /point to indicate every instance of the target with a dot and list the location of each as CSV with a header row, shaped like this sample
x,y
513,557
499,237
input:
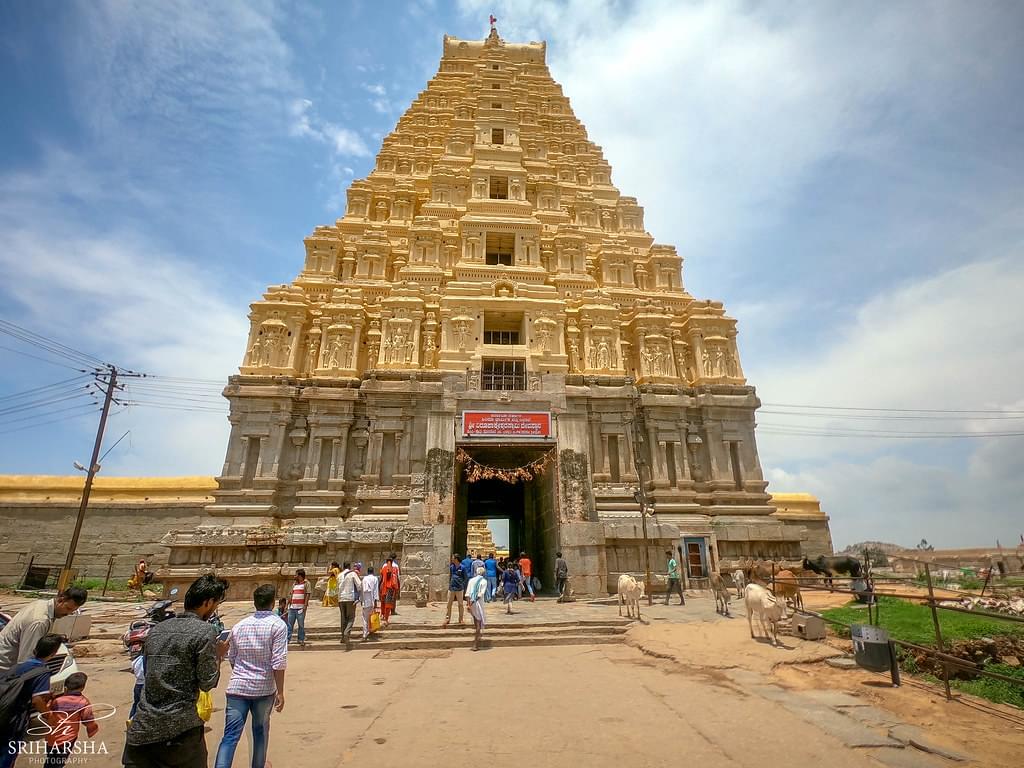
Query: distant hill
x,y
884,546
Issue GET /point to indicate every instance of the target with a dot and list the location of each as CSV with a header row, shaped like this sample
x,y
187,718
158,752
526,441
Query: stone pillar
x,y
231,457
340,454
313,459
605,468
262,456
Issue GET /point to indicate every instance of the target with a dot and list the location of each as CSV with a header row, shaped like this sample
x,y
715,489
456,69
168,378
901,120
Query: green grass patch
x,y
998,691
96,585
913,623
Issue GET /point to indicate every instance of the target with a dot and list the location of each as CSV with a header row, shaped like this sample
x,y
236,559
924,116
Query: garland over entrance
x,y
477,471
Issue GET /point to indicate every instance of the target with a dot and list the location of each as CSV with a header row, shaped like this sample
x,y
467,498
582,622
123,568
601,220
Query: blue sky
x,y
847,178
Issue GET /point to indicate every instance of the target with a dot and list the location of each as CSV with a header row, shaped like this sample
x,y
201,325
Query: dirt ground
x,y
669,694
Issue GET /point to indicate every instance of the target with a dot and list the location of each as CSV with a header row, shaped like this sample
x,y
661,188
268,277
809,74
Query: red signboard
x,y
506,424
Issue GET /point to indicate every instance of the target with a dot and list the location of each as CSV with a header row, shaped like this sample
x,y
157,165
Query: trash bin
x,y
871,649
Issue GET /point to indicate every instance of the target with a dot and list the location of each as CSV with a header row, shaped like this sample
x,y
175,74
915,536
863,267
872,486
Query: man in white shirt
x,y
32,623
350,590
370,598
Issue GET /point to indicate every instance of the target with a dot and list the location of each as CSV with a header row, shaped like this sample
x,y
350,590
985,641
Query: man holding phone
x,y
258,656
183,657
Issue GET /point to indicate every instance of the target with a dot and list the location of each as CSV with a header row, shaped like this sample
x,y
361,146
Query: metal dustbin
x,y
871,648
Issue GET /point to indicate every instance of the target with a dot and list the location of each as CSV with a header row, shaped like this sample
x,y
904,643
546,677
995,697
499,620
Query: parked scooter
x,y
139,629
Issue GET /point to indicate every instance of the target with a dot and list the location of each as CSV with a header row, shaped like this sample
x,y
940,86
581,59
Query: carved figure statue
x,y
706,361
256,353
271,350
461,330
603,354
514,189
382,211
574,356
429,349
719,362
543,338
312,353
480,188
734,370
647,357
372,351
344,352
387,349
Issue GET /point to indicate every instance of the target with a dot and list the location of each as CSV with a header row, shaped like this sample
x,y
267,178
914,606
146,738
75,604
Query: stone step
x,y
386,643
455,631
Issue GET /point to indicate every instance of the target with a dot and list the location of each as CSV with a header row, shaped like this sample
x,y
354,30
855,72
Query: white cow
x,y
739,581
768,609
631,591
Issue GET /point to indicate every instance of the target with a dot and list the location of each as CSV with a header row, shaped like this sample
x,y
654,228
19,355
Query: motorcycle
x,y
139,629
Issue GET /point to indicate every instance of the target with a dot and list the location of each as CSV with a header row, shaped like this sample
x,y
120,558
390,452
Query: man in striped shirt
x,y
297,605
258,656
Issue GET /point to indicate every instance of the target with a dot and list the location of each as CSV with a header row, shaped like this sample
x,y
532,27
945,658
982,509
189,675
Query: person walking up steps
x,y
509,584
297,606
388,589
350,590
527,568
369,598
491,572
476,592
456,589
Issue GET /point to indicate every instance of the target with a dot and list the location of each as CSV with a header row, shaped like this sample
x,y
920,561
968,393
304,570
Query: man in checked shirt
x,y
258,656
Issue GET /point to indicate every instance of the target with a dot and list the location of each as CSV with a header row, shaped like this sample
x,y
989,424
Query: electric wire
x,y
16,409
36,390
53,347
29,417
50,421
43,359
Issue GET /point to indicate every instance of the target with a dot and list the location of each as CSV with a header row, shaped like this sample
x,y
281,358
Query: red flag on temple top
x,y
493,19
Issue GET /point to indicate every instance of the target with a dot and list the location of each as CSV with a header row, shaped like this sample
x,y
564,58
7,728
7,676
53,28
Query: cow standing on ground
x,y
721,593
788,588
769,609
827,565
739,581
631,591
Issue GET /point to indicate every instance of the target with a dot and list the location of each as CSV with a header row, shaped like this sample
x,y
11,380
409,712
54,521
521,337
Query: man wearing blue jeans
x,y
297,606
491,571
258,656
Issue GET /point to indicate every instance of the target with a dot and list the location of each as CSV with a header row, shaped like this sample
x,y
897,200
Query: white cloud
x,y
307,124
953,341
122,296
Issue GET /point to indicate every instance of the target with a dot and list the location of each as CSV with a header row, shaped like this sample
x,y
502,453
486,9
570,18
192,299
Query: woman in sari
x,y
388,589
331,593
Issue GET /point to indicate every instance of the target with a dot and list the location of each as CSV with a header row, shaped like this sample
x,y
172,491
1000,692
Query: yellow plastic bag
x,y
375,622
204,706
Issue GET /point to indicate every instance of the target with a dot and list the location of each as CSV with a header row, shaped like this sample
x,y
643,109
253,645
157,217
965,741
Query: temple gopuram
x,y
489,332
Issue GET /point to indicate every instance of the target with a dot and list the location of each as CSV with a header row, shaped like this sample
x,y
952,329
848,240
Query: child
x,y
282,607
68,712
509,582
139,668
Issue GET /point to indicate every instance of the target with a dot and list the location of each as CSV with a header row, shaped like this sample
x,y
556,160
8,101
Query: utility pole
x,y
65,575
641,495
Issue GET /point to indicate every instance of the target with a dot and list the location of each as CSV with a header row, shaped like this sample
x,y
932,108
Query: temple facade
x,y
489,332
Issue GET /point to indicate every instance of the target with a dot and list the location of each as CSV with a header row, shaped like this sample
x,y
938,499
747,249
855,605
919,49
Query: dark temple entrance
x,y
528,505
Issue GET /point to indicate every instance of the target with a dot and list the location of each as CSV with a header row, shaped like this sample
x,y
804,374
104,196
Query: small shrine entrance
x,y
514,483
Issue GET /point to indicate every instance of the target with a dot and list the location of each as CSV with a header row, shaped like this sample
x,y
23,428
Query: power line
x,y
43,359
15,409
53,347
886,410
1007,416
889,435
92,409
50,413
36,390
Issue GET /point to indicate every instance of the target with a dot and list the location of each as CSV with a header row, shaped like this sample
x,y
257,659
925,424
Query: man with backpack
x,y
22,690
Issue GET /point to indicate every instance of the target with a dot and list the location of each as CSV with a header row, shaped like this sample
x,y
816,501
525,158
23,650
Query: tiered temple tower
x,y
488,266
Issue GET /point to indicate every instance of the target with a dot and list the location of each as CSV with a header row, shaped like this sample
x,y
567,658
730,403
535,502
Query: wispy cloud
x,y
307,124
